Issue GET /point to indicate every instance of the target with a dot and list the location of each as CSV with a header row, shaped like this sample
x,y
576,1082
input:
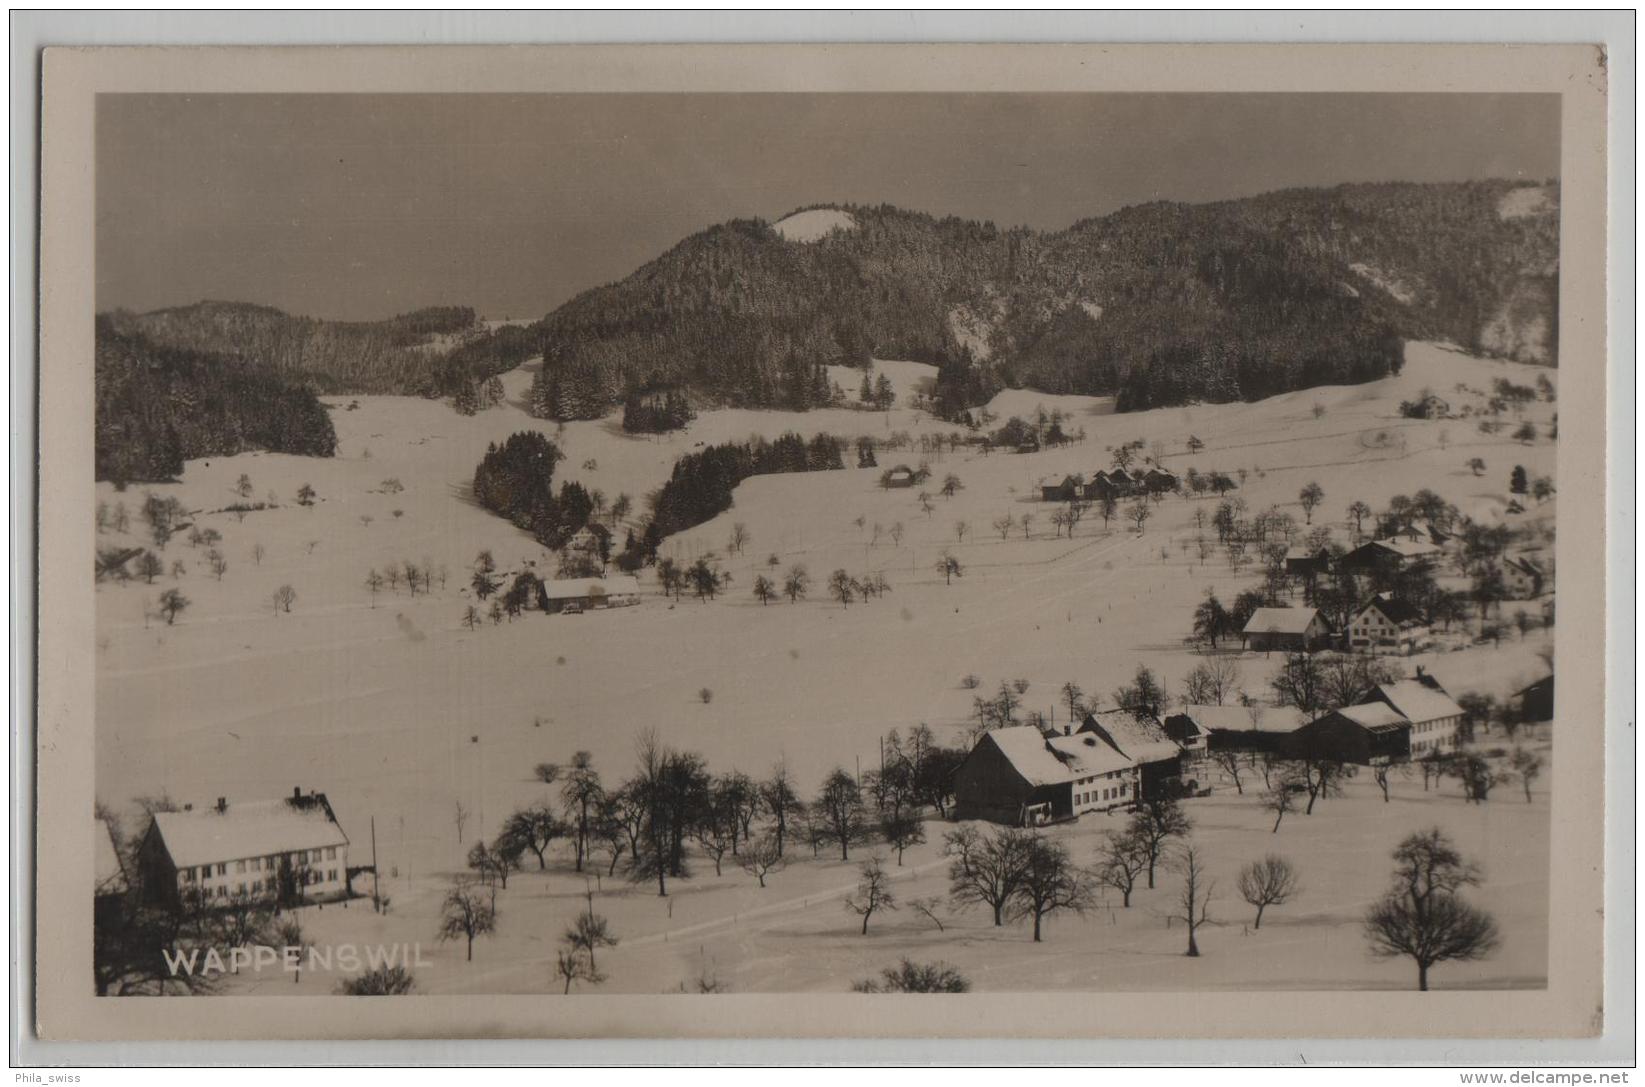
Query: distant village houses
x,y
287,851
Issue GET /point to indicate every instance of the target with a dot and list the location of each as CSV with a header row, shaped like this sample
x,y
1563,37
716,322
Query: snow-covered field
x,y
397,712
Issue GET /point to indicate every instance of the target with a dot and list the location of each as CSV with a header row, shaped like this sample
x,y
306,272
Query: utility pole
x,y
376,895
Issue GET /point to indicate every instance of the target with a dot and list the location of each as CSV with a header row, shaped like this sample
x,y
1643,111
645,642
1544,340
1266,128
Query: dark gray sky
x,y
361,206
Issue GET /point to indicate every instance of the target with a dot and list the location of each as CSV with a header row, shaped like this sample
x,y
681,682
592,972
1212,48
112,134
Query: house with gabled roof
x,y
899,476
1525,574
1435,717
1385,621
1065,489
1304,561
1140,737
1288,630
288,851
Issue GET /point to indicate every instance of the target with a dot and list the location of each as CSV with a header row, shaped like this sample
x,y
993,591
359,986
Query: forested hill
x,y
1159,304
157,406
429,352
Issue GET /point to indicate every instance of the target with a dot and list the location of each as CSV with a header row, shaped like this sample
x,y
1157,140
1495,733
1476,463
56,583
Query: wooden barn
x,y
1066,489
1260,728
1306,562
1373,734
1536,702
1012,776
1388,555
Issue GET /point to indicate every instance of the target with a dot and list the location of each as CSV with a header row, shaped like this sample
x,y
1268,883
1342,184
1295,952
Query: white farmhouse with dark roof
x,y
1435,717
290,850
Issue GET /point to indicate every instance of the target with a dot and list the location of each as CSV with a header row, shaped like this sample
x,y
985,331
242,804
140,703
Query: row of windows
x,y
257,864
258,886
1107,794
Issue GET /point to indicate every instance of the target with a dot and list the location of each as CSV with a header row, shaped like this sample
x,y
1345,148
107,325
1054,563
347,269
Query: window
x,y
222,869
186,875
331,874
239,866
331,853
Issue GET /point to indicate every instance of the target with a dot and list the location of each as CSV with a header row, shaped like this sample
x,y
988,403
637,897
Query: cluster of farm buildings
x,y
1117,759
1118,483
1384,621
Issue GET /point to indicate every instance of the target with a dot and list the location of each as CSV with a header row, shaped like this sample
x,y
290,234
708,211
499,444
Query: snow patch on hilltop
x,y
813,225
1520,203
1388,283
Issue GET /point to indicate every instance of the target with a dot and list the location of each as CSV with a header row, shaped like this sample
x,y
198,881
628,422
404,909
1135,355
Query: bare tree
x,y
762,857
284,597
1050,882
985,869
172,604
902,828
1154,826
1528,767
589,933
1194,900
873,892
739,538
571,965
796,583
1423,917
1281,797
1121,861
764,590
459,816
840,809
1268,882
960,529
1231,763
927,908
1003,525
1310,497
467,913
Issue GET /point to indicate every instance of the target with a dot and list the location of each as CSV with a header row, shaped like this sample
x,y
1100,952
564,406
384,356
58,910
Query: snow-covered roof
x,y
1418,701
1280,620
109,872
1085,754
256,828
1138,736
1303,551
1393,609
1408,549
578,587
1026,750
1238,718
1374,715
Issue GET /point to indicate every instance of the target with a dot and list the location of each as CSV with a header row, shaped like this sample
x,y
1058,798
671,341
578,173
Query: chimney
x,y
222,805
1068,730
296,792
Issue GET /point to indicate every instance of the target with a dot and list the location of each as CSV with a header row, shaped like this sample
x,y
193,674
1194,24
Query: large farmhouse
x,y
289,850
1289,630
1435,718
1141,738
1020,777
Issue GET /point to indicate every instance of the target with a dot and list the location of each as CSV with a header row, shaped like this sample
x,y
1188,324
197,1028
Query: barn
x,y
1306,562
1388,555
1289,630
1536,702
1258,728
1013,776
590,593
1373,734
